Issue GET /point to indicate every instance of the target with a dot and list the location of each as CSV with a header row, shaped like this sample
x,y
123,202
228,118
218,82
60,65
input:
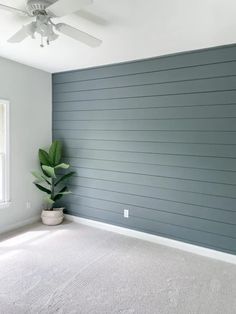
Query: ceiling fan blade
x,y
13,10
91,17
19,36
65,7
78,35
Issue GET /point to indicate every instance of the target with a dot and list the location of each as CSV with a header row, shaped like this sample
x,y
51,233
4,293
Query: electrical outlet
x,y
28,205
126,213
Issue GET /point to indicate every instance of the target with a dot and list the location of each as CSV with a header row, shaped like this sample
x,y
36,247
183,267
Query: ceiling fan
x,y
44,12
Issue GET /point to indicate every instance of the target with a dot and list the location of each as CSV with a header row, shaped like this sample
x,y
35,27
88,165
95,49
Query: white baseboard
x,y
221,256
19,224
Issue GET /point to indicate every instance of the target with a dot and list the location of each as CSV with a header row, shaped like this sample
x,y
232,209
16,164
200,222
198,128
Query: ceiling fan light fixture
x,y
43,12
36,7
45,28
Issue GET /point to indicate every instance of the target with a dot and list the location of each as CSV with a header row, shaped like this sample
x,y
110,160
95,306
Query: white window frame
x,y
6,156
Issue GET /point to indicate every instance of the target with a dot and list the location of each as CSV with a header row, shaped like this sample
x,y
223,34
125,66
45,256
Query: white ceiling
x,y
130,29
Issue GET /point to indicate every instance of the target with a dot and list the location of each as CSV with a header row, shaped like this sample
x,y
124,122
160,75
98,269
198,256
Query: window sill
x,y
4,204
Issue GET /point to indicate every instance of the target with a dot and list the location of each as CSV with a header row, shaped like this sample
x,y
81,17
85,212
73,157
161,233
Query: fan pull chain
x,y
42,45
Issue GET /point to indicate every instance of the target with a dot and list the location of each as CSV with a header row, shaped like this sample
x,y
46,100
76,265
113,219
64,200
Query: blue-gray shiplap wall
x,y
158,137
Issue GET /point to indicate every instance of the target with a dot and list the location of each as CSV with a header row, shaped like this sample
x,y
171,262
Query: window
x,y
4,152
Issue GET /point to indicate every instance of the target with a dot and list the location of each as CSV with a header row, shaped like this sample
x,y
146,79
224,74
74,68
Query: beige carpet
x,y
77,269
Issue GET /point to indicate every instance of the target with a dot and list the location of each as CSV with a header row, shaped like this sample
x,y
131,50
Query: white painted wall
x,y
29,92
1,128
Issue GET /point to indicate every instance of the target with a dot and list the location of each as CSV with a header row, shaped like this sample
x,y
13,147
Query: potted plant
x,y
50,182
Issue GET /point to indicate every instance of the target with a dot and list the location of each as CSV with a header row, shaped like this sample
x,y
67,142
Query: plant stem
x,y
52,191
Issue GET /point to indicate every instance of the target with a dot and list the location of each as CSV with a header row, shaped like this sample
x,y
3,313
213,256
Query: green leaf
x,y
60,195
55,153
57,197
49,200
65,177
63,166
42,188
65,193
40,177
49,171
62,192
44,158
44,172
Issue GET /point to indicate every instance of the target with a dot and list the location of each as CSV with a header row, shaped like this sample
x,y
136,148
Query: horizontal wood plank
x,y
158,137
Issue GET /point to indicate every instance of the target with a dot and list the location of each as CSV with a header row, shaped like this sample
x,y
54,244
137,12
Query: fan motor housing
x,y
35,7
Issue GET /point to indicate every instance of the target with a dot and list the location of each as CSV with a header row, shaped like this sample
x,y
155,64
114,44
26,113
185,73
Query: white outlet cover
x,y
126,213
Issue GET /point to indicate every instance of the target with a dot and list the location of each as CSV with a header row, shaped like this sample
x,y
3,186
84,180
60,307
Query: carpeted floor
x,y
78,269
